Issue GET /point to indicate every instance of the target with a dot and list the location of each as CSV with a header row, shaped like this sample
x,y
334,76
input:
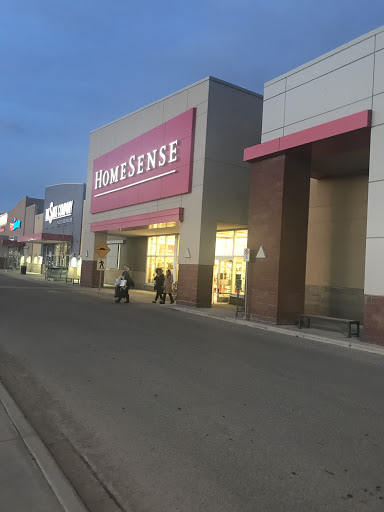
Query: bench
x,y
73,280
305,320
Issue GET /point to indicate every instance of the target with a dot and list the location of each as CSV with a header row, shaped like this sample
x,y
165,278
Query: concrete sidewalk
x,y
30,480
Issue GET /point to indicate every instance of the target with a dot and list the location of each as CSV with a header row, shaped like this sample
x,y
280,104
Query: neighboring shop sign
x,y
14,224
3,222
155,165
247,253
60,211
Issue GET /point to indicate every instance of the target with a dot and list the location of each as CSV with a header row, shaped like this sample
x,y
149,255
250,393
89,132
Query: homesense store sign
x,y
154,165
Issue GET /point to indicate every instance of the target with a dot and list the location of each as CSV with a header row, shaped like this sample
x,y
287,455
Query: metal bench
x,y
73,280
305,321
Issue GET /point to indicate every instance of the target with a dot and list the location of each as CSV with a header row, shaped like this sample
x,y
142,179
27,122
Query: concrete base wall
x,y
195,285
90,276
34,267
74,272
334,301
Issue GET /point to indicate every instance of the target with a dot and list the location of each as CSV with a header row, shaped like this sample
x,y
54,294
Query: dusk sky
x,y
69,67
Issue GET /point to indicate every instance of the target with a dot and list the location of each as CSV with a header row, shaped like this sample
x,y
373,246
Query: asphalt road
x,y
150,409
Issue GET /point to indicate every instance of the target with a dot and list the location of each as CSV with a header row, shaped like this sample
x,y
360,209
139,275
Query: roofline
x,y
208,78
339,49
58,184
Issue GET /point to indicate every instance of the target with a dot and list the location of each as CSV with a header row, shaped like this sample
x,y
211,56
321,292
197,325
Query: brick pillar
x,y
374,319
278,221
195,285
90,275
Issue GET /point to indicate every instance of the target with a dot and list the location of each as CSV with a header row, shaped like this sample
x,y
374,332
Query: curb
x,y
63,490
366,347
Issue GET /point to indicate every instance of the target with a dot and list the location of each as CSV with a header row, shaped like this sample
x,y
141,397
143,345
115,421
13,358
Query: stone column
x,y
196,254
89,274
278,222
374,266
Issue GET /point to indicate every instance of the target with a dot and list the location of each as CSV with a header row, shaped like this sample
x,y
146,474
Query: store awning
x,y
343,125
12,243
45,238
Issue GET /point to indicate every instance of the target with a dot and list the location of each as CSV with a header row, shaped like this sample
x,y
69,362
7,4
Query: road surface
x,y
150,409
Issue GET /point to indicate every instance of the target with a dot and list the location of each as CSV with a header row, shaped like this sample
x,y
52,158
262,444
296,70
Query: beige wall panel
x,y
378,110
376,210
275,134
337,232
198,94
347,110
273,113
374,268
175,105
376,157
344,86
380,41
274,89
378,79
331,63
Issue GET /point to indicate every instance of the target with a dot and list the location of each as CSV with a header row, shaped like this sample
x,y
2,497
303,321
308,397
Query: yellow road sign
x,y
102,249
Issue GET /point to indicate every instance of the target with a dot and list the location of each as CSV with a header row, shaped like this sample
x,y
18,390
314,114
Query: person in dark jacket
x,y
122,292
159,284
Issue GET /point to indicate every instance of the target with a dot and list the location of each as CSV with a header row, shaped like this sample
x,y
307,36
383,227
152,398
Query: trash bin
x,y
23,269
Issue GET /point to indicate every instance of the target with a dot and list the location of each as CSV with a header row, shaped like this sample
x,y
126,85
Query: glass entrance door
x,y
13,258
222,280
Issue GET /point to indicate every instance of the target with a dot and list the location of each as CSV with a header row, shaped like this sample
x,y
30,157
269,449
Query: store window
x,y
161,253
113,256
57,255
229,268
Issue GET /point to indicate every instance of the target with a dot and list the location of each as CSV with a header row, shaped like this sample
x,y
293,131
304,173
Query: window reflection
x,y
162,253
229,268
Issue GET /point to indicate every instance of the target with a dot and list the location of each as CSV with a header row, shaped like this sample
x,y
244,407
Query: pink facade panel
x,y
45,237
155,165
320,132
141,220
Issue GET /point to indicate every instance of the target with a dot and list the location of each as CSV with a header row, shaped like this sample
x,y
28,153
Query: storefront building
x,y
317,184
167,187
54,243
13,226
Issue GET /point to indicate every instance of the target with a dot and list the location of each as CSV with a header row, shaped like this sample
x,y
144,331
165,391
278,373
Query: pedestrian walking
x,y
159,284
123,285
168,287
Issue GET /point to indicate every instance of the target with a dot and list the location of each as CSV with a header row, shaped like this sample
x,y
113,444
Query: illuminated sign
x,y
59,211
3,219
14,224
137,165
154,165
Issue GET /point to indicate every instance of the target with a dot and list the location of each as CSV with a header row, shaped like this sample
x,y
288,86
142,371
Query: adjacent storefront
x,y
13,226
53,245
